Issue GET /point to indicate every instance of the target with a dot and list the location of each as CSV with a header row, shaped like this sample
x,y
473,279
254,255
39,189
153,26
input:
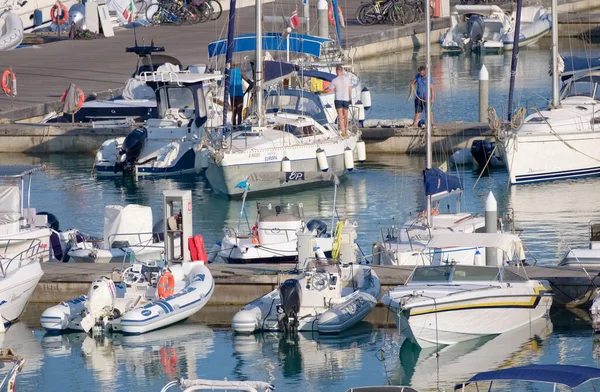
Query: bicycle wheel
x,y
366,14
217,9
175,18
204,12
190,15
140,6
401,14
153,14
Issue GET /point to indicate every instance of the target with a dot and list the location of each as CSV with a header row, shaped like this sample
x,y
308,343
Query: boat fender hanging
x,y
365,97
204,157
166,285
361,151
9,83
286,165
197,248
332,18
322,160
59,14
348,159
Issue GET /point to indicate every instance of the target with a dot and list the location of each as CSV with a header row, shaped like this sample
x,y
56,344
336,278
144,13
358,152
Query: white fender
x,y
286,165
204,155
322,160
361,150
365,98
348,159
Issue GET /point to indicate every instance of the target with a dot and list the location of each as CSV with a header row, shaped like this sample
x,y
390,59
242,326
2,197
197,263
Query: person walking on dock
x,y
421,95
342,87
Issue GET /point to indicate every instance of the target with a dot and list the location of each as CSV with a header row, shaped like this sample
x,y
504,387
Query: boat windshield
x,y
279,213
182,98
581,88
297,102
455,273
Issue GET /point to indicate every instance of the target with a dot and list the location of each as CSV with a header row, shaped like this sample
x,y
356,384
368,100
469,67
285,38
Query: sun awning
x,y
508,243
17,171
295,43
568,375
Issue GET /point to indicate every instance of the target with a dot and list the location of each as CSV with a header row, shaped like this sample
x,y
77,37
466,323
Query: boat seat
x,y
280,218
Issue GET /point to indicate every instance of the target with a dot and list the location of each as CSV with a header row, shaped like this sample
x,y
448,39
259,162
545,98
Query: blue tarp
x,y
298,43
310,73
438,181
273,70
571,376
579,63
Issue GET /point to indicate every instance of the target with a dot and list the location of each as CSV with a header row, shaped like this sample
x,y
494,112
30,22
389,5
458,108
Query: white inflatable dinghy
x,y
11,33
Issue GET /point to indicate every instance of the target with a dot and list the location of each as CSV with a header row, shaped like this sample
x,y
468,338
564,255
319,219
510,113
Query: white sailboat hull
x,y
16,288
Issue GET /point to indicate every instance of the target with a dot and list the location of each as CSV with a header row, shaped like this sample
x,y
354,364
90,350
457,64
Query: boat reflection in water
x,y
422,369
309,356
164,354
21,340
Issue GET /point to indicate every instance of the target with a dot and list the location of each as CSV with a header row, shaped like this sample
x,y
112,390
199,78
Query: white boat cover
x,y
258,385
129,220
10,204
478,9
135,89
510,244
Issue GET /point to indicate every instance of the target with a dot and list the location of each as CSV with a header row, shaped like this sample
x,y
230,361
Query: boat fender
x,y
166,285
286,165
365,97
56,247
322,160
361,151
348,159
197,248
9,83
332,18
59,14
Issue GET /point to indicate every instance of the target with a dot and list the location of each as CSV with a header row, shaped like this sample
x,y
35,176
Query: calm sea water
x,y
386,190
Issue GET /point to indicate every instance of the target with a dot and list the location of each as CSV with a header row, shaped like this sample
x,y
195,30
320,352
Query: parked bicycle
x,y
172,11
382,11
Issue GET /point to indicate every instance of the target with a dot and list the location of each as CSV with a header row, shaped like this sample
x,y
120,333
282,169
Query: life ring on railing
x,y
9,83
166,285
59,13
332,18
197,248
80,95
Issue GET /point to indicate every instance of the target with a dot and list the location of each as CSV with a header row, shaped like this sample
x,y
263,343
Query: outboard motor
x,y
481,150
475,28
158,231
101,300
319,226
130,150
290,294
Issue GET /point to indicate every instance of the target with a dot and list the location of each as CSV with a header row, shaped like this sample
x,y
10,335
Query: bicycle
x,y
416,10
204,10
379,11
163,12
217,9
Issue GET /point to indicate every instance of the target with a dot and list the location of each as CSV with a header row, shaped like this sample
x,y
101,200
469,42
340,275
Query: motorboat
x,y
406,245
329,296
151,295
170,144
128,232
535,23
273,237
444,304
385,388
212,385
9,357
585,257
559,376
11,33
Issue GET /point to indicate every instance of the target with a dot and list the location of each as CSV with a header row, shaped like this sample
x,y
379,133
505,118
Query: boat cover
x,y
438,183
10,204
578,63
296,43
133,221
275,71
135,89
508,243
568,375
232,385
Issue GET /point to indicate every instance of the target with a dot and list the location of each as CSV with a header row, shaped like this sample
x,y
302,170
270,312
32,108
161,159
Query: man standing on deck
x,y
421,95
236,91
342,87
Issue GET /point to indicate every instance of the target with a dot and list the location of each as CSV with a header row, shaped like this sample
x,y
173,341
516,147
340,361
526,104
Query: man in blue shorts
x,y
421,94
342,86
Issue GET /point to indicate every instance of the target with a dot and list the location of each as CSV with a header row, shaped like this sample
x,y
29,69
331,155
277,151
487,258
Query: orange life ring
x,y
79,94
59,13
197,248
332,18
9,83
166,285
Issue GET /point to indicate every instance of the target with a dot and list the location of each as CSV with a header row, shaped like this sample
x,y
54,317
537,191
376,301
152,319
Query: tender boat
x,y
330,296
273,237
535,23
127,229
447,304
485,153
151,295
582,257
170,144
186,385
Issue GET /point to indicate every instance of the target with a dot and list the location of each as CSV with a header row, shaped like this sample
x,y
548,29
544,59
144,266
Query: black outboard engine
x,y
130,150
475,28
319,226
158,231
481,150
290,294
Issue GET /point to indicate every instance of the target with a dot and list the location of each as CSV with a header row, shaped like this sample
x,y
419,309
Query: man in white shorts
x,y
342,87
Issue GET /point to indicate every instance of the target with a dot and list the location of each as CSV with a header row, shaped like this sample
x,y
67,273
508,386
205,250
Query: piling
x,y
307,15
322,17
483,93
491,226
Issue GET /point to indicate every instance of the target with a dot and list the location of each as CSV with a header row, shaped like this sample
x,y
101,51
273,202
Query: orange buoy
x,y
332,18
59,13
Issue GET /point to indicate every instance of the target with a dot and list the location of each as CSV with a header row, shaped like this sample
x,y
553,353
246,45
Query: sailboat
x,y
289,132
561,142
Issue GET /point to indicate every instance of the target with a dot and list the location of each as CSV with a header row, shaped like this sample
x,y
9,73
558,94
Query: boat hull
x,y
17,287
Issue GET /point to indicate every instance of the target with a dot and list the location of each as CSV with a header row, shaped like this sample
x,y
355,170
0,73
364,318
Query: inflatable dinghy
x,y
11,33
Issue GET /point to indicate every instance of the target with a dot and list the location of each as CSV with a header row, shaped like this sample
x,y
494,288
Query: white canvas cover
x,y
10,204
508,243
131,219
125,10
135,89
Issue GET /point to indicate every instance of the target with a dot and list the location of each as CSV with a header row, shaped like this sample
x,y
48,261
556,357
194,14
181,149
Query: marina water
x,y
386,190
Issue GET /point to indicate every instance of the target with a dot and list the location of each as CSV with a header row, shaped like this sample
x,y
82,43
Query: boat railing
x,y
148,243
33,250
219,385
160,76
9,356
232,233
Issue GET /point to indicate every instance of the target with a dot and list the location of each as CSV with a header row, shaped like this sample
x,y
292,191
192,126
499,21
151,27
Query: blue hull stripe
x,y
527,178
162,306
139,321
201,298
51,317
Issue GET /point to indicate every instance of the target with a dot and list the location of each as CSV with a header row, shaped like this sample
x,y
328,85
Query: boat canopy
x,y
439,183
298,102
296,43
275,71
508,243
19,171
311,73
575,64
567,375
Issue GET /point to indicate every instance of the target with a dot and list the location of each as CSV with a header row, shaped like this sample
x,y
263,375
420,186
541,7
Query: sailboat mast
x,y
258,69
428,100
555,88
515,58
228,59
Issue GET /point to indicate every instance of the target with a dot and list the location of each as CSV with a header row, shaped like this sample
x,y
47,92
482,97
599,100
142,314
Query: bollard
x,y
491,226
323,18
483,94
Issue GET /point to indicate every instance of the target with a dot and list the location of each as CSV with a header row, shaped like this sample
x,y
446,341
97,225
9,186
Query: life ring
x,y
332,18
9,83
166,285
80,95
59,13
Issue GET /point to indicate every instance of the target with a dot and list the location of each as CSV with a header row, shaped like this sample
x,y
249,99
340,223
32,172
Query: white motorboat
x,y
447,304
329,296
172,143
273,237
128,232
586,258
535,23
224,385
151,295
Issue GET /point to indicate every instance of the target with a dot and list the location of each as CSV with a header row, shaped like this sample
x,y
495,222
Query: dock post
x,y
483,94
491,226
322,17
